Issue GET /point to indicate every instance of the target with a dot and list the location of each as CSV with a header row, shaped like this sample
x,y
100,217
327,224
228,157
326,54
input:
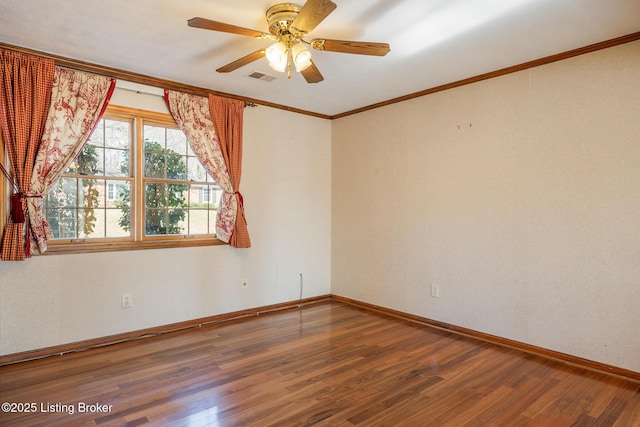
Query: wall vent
x,y
262,76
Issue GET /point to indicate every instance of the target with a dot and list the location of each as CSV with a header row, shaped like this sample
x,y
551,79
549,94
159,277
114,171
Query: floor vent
x,y
262,76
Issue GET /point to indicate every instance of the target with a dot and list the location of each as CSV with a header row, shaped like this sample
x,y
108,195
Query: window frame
x,y
138,239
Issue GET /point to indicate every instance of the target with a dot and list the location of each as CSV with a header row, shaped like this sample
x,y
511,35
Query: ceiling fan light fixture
x,y
301,57
277,56
288,25
280,69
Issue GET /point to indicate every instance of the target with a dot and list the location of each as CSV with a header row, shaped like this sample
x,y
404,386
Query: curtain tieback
x,y
17,214
240,198
15,201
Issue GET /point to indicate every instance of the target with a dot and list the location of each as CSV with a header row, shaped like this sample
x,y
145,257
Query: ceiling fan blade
x,y
208,24
232,66
313,12
311,74
345,46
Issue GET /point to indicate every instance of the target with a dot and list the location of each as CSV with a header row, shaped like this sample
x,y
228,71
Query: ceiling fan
x,y
288,25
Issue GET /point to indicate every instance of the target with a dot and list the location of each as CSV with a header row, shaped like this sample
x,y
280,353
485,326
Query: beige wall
x,y
519,196
57,299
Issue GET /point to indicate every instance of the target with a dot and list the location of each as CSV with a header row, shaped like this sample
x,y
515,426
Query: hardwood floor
x,y
328,364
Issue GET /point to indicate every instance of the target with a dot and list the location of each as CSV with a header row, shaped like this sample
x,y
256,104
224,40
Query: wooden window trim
x,y
138,241
115,246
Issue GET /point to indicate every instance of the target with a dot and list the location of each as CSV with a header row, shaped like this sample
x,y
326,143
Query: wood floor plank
x,y
327,364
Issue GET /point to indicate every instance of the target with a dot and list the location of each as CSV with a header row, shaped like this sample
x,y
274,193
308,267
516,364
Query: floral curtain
x,y
25,92
192,114
227,117
78,101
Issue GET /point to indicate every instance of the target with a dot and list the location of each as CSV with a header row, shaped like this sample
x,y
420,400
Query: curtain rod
x,y
143,89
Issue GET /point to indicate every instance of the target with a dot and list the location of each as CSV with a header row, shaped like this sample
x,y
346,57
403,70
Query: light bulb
x,y
277,56
301,57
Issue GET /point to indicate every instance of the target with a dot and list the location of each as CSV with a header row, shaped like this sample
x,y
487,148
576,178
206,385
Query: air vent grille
x,y
261,76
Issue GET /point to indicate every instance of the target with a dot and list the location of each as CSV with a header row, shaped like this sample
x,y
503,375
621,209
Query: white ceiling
x,y
433,42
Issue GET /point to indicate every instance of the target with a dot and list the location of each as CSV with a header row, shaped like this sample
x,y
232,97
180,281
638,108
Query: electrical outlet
x,y
245,285
127,301
435,291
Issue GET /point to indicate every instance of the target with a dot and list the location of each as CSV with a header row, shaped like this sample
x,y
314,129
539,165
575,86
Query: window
x,y
113,190
135,184
208,194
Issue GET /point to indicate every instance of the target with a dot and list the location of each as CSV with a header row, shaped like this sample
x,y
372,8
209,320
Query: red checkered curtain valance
x,y
25,93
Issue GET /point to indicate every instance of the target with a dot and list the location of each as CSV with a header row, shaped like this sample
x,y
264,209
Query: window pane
x,y
92,193
176,167
154,135
61,208
178,195
90,202
97,137
118,208
156,202
203,196
166,211
52,201
214,195
117,134
66,192
118,193
54,221
198,221
212,221
118,222
89,161
116,162
196,171
91,223
154,165
176,141
178,219
190,152
155,195
67,223
155,222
